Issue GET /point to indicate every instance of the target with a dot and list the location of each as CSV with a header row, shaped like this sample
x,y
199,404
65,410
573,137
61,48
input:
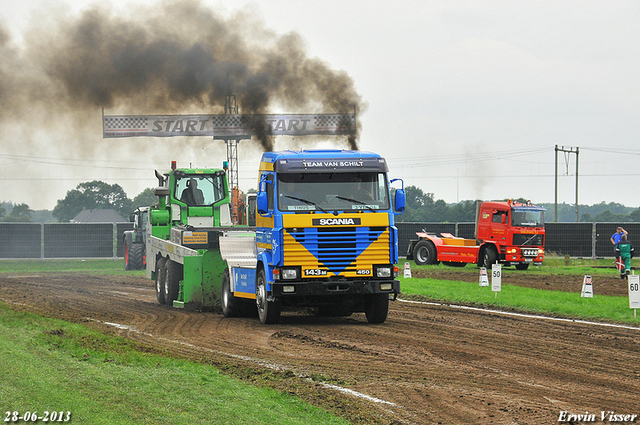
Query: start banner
x,y
227,126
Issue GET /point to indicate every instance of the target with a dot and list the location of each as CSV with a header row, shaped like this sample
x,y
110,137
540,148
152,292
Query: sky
x,y
465,99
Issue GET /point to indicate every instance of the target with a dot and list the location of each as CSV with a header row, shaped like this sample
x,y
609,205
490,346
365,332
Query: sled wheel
x,y
230,307
160,271
172,278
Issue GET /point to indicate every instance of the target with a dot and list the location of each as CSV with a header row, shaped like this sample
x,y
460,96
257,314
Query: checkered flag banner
x,y
227,126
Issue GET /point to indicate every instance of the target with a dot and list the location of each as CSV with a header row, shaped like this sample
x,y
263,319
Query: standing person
x,y
625,250
617,236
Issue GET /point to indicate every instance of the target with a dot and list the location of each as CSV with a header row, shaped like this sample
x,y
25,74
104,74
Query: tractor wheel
x,y
268,310
230,304
424,252
376,308
126,257
136,256
160,272
524,266
489,257
172,278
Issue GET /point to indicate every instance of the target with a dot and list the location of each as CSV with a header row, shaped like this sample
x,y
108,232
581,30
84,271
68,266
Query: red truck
x,y
510,233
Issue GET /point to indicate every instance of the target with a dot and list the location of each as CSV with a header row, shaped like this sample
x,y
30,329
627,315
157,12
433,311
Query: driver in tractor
x,y
191,195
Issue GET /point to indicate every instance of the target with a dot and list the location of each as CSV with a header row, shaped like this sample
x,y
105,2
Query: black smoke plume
x,y
180,57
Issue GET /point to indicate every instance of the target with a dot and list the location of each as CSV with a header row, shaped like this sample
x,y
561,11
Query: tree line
x,y
86,196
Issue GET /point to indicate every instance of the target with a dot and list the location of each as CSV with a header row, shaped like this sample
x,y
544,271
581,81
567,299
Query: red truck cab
x,y
510,233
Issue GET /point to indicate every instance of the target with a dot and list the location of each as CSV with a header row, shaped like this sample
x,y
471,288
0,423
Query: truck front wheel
x,y
376,308
424,252
160,280
489,257
268,310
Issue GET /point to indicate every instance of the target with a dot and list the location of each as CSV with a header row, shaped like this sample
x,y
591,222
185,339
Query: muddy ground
x,y
427,364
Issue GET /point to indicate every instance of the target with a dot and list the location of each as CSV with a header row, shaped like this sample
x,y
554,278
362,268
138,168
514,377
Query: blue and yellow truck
x,y
324,239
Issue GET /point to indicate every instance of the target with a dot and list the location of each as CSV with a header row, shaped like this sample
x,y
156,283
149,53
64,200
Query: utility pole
x,y
566,150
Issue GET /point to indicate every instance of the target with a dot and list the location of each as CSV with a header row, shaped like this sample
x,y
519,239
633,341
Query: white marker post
x,y
407,269
634,292
484,279
496,278
587,287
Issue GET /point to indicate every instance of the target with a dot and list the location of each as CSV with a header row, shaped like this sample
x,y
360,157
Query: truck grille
x,y
521,238
340,249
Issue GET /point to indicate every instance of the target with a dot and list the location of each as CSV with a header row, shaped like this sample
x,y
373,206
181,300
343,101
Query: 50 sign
x,y
496,278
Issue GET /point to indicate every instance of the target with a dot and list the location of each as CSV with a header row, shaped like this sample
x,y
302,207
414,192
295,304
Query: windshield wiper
x,y
357,202
310,203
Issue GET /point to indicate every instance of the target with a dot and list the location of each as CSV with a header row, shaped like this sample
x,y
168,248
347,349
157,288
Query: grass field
x,y
48,365
557,303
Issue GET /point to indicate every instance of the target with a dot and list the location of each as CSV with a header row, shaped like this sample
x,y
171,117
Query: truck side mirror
x,y
400,201
400,198
263,203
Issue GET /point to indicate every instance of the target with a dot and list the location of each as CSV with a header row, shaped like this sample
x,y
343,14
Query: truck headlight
x,y
288,274
383,271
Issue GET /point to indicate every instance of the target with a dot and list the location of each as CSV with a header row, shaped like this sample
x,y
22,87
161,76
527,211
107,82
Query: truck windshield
x,y
332,191
527,217
200,189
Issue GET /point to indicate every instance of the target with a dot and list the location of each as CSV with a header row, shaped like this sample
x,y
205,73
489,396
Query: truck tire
x,y
376,308
489,257
160,271
230,304
424,252
172,278
268,311
136,256
524,266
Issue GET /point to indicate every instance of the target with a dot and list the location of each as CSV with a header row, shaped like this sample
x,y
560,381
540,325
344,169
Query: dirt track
x,y
428,364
